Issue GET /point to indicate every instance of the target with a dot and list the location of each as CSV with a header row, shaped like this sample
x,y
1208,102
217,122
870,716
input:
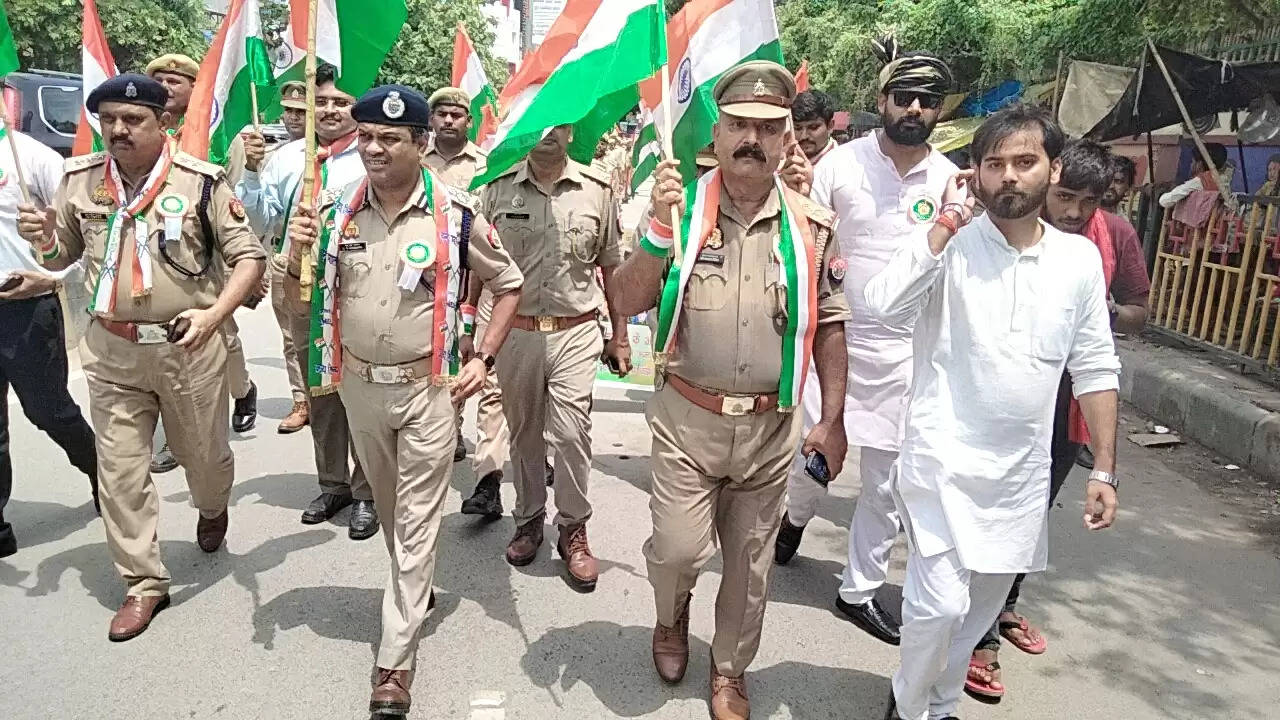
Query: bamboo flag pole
x,y
677,252
307,271
13,148
253,97
1057,84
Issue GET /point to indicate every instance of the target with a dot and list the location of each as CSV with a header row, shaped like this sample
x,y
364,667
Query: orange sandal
x,y
978,686
1020,623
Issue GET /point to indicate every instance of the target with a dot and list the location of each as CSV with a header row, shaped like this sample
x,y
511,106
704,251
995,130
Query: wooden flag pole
x,y
13,148
307,275
677,252
253,97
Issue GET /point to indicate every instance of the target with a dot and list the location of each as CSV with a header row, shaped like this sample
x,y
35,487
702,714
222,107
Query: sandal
x,y
1020,623
979,687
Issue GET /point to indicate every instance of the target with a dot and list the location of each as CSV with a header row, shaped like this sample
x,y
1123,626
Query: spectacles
x,y
928,101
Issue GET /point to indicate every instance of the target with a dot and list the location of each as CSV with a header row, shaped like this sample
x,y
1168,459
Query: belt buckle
x,y
545,323
149,334
737,405
384,374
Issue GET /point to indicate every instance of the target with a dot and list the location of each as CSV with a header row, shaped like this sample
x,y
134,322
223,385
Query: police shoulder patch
x,y
812,210
463,198
84,162
596,174
194,164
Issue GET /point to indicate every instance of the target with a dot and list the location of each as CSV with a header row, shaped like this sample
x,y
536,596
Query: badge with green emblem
x,y
419,255
923,210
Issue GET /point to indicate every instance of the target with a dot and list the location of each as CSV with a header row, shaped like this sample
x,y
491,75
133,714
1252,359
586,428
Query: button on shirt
x,y
43,170
381,323
995,329
558,240
873,203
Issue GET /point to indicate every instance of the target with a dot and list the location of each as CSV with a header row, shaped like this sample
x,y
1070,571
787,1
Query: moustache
x,y
750,151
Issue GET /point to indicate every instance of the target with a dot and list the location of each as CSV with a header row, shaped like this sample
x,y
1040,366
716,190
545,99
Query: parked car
x,y
45,105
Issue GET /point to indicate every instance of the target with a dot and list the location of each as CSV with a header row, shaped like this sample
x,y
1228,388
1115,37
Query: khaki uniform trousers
x,y
717,478
547,379
284,318
238,380
404,435
330,434
493,443
130,386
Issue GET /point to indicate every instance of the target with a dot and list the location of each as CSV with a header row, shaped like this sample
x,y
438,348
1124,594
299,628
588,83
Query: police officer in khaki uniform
x,y
154,349
559,221
723,437
396,377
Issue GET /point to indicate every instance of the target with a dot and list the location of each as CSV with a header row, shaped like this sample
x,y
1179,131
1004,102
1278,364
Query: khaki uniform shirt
x,y
558,240
84,206
458,170
735,310
381,323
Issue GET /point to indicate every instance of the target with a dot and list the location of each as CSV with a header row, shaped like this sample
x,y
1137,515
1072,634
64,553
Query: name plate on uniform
x,y
711,258
351,247
94,216
517,216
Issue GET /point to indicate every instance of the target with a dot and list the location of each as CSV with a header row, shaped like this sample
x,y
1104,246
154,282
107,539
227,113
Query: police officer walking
x,y
395,256
560,224
149,222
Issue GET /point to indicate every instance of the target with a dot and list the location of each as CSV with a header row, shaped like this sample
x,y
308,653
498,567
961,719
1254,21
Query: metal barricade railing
x,y
1218,283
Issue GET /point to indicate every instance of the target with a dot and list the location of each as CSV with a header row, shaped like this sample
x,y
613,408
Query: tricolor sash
x,y
104,292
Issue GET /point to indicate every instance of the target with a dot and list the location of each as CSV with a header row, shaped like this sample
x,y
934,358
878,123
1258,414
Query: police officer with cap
x,y
153,350
396,250
724,421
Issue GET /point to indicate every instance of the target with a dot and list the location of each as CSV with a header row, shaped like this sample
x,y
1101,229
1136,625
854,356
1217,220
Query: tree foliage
x,y
47,32
423,57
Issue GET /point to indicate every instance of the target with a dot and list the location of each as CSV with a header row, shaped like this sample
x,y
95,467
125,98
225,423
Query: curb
x,y
1231,426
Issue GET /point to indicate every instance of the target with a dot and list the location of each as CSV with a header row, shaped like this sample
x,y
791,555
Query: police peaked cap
x,y
132,88
393,105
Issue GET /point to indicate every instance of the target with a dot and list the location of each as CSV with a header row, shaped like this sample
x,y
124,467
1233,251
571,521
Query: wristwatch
x,y
488,360
1105,477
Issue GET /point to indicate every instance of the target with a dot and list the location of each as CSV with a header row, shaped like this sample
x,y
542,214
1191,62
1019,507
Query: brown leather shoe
x,y
671,647
210,533
578,559
134,616
523,548
728,697
390,692
298,418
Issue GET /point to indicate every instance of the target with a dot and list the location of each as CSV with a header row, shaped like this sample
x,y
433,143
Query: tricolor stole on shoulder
x,y
794,249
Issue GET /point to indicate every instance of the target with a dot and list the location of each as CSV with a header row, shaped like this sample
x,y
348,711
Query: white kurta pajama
x,y
994,330
874,205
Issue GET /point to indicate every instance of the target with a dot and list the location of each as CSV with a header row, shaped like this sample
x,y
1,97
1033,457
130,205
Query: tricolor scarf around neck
x,y
104,292
794,248
321,165
1097,232
324,367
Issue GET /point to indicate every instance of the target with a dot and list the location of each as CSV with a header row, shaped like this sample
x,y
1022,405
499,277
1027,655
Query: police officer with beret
x,y
149,222
395,254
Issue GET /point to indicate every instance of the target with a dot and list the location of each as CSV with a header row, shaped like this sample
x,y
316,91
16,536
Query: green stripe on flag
x,y
487,97
8,50
795,295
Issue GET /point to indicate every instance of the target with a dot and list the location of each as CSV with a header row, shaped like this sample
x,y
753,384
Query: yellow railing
x,y
1218,283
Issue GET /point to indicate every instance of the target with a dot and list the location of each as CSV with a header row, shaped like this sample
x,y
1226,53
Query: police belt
x,y
399,374
721,403
549,323
136,332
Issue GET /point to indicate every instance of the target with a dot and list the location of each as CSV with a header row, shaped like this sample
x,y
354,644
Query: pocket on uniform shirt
x,y
584,240
1054,331
708,288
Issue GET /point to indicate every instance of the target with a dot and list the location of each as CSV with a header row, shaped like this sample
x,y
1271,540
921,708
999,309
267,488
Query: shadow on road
x,y
291,491
36,523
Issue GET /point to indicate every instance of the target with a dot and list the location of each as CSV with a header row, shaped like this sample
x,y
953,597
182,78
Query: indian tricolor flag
x,y
704,39
222,103
352,35
97,66
468,76
584,74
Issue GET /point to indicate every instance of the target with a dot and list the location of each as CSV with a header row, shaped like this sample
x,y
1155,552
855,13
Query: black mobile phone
x,y
178,328
10,282
816,467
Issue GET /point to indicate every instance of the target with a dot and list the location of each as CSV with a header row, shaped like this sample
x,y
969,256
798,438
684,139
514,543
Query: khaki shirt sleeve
x,y
833,306
611,250
69,234
490,261
235,241
236,160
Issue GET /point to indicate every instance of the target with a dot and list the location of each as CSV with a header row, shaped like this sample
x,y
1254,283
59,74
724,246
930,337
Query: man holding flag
x,y
751,297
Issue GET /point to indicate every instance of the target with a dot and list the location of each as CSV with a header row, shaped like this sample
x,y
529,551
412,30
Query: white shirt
x,y
995,329
42,167
267,193
873,202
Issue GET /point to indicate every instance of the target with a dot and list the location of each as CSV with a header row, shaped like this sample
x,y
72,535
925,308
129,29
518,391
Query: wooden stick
x,y
677,252
253,97
1057,84
307,274
13,148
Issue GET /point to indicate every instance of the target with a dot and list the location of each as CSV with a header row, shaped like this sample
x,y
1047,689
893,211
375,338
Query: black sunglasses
x,y
928,101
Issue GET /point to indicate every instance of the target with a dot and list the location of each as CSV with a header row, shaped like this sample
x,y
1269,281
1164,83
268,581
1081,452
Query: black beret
x,y
131,88
393,105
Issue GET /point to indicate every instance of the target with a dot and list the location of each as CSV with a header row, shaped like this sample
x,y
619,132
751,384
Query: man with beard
x,y
886,189
1072,206
153,350
270,197
755,298
1123,174
812,115
1001,307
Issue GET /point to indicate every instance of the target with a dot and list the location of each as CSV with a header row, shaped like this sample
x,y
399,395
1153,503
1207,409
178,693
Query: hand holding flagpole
x,y
307,274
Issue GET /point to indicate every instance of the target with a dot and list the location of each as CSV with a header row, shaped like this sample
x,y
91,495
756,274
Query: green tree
x,y
423,57
48,31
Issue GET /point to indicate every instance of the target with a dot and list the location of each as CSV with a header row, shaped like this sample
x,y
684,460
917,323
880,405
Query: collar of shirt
x,y
413,200
470,150
770,208
570,173
919,167
993,234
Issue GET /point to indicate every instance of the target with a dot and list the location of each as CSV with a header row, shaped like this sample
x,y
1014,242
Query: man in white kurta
x,y
997,318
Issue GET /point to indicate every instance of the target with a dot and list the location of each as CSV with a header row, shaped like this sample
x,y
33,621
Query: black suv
x,y
46,105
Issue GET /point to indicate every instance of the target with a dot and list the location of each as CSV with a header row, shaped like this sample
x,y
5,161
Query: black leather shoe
x,y
324,507
163,461
1085,457
245,414
873,619
788,541
487,499
459,450
551,474
364,520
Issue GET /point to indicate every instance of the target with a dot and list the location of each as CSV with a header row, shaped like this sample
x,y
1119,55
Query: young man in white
x,y
1001,308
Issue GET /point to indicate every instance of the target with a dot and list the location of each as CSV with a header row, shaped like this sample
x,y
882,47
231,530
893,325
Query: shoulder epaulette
x,y
190,162
463,198
594,173
84,162
812,210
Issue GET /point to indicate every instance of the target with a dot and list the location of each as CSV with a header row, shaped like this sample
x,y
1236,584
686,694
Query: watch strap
x,y
1105,477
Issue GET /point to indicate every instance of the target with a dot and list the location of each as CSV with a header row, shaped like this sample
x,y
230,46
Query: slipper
x,y
979,688
1021,623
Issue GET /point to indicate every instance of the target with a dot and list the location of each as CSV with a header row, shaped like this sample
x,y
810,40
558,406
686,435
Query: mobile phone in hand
x,y
815,467
9,282
178,329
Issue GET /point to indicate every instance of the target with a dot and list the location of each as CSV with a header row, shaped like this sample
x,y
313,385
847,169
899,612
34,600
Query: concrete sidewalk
x,y
1227,412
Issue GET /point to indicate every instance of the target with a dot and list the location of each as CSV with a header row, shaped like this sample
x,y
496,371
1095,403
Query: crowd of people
x,y
955,326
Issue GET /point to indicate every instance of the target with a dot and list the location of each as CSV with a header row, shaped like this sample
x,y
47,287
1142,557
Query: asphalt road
x,y
1173,614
